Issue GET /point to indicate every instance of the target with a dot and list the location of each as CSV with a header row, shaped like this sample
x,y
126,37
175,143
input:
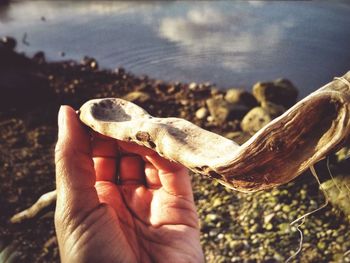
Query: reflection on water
x,y
208,30
228,43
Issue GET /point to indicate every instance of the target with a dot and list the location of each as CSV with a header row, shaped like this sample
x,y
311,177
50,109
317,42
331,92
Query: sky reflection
x,y
207,29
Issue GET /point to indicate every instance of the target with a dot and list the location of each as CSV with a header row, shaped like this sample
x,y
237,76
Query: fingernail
x,y
61,121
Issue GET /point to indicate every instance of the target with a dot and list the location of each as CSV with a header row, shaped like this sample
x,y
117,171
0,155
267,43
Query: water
x,y
231,44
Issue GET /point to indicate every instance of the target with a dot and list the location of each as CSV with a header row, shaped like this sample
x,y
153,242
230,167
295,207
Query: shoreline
x,y
235,227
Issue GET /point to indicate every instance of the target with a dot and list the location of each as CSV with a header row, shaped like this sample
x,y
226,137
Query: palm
x,y
153,234
149,216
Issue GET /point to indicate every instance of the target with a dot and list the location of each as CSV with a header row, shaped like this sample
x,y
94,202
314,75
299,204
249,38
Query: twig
x,y
303,217
44,201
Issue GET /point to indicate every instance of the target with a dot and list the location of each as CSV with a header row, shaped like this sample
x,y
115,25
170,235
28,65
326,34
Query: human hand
x,y
149,216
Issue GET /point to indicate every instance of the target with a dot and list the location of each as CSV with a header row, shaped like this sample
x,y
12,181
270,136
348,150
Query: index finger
x,y
131,147
174,177
105,154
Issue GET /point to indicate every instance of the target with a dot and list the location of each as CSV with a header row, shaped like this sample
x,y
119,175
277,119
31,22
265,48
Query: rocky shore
x,y
235,227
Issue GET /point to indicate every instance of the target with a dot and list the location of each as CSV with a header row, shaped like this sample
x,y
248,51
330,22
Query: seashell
x,y
275,155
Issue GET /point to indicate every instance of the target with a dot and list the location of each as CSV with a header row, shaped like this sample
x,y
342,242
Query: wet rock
x,y
90,62
39,57
281,92
274,110
255,119
286,208
239,96
284,227
343,154
221,110
214,91
268,226
120,71
193,86
338,192
237,245
137,96
202,113
269,217
236,259
8,42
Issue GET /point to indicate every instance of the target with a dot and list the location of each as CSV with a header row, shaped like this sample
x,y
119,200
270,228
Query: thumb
x,y
75,174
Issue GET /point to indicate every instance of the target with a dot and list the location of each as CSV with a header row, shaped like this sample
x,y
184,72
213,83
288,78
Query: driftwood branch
x,y
275,155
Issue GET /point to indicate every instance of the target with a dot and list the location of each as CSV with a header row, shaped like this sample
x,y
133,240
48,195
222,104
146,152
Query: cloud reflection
x,y
62,10
206,30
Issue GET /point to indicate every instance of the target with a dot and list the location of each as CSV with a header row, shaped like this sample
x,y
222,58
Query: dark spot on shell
x,y
198,168
106,103
143,136
215,175
152,144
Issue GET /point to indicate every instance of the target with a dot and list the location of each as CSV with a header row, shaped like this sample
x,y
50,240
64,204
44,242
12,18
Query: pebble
x,y
137,97
255,119
280,91
239,96
8,42
202,113
193,86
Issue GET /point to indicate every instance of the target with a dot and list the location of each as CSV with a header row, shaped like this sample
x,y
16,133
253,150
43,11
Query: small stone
x,y
222,111
39,57
269,226
213,233
321,245
8,42
202,113
137,96
210,119
286,208
255,119
214,91
343,154
254,228
281,92
217,202
269,217
239,96
273,109
210,217
284,227
193,86
236,259
121,71
90,62
236,245
219,109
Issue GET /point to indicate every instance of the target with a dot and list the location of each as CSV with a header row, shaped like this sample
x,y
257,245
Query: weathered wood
x,y
275,155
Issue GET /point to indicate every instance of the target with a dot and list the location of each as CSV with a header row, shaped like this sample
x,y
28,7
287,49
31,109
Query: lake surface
x,y
231,44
